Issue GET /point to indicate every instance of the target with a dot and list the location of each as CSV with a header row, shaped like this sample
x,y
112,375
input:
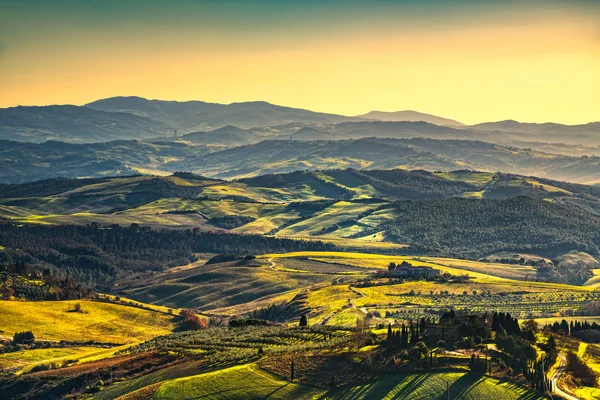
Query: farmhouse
x,y
452,327
406,270
442,331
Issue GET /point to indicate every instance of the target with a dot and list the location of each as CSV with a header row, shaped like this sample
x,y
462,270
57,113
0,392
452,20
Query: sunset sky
x,y
474,61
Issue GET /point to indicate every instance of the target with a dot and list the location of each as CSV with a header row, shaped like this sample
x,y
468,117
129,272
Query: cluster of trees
x,y
97,255
227,257
47,285
406,336
476,227
482,365
572,327
404,264
518,342
231,221
517,261
399,184
276,312
505,324
193,321
25,337
241,322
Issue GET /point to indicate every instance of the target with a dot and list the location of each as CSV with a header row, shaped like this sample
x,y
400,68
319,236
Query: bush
x,y
192,321
26,337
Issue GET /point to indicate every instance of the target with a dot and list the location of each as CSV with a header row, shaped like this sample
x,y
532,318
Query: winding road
x,y
556,376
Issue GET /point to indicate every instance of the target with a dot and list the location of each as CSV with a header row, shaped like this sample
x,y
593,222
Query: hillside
x,y
22,162
74,124
97,321
410,116
190,116
376,153
586,134
436,213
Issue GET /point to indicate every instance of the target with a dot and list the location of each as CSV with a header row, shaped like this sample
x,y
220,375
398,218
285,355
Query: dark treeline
x,y
573,327
46,187
95,254
476,227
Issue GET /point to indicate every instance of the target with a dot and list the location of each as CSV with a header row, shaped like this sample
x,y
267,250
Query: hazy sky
x,y
469,60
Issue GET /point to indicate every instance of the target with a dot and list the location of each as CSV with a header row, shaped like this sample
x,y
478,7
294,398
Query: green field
x,y
241,382
26,358
100,322
249,382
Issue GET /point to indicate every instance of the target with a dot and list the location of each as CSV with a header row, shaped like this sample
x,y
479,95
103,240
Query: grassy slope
x,y
24,358
249,382
222,285
241,382
478,270
433,386
101,322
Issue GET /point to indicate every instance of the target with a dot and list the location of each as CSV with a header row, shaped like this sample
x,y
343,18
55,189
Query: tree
x,y
192,321
418,352
292,370
303,321
26,337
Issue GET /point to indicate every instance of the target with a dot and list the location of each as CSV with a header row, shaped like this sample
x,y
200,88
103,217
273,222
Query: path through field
x,y
556,376
362,295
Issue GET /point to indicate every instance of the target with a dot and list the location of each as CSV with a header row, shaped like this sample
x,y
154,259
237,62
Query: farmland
x,y
260,256
97,321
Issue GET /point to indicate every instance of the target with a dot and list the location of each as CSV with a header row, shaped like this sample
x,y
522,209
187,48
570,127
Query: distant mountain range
x,y
189,116
74,124
126,118
409,115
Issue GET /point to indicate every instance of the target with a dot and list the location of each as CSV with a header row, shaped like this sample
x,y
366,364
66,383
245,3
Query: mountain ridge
x,y
411,116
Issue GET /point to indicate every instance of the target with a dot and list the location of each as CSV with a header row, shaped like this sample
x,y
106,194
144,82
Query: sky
x,y
473,61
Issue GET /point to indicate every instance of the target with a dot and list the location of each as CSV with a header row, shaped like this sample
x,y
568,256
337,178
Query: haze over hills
x,y
22,162
74,124
125,118
190,116
586,134
409,115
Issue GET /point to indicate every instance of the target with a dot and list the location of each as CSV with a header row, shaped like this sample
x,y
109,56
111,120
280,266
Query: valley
x,y
251,251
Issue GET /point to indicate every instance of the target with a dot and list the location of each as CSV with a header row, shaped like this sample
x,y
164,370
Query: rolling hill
x,y
74,124
409,115
435,213
586,134
23,162
190,116
272,156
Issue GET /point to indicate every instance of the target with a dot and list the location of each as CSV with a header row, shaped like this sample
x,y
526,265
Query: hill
x,y
227,136
587,134
190,116
409,115
22,162
279,156
74,124
451,213
97,321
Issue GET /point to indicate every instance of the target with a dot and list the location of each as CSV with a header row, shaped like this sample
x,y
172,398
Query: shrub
x,y
192,321
26,337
